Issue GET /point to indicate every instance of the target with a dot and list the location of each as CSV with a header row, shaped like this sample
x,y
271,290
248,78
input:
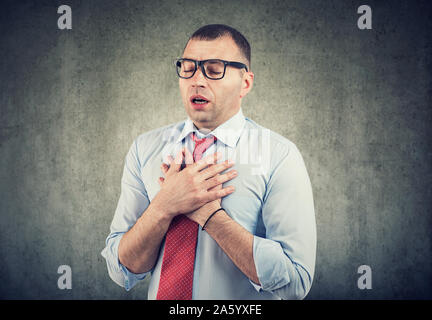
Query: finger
x,y
220,178
164,168
217,187
175,165
170,158
188,158
161,181
205,162
220,193
215,169
168,161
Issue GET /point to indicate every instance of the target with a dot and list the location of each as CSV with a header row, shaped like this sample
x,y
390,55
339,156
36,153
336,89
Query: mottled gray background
x,y
356,103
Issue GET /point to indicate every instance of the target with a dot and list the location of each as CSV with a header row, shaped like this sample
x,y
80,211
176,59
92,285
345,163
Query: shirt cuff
x,y
118,272
270,263
131,278
256,286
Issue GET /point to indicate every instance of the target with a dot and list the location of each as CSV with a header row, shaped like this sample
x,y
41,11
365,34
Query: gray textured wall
x,y
356,103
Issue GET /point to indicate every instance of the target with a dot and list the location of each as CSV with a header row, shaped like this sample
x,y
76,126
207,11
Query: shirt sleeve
x,y
132,203
285,258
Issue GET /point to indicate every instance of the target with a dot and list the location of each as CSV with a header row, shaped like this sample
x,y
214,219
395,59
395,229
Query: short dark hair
x,y
214,31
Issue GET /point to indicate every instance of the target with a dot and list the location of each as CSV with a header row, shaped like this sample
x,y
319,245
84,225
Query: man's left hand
x,y
201,214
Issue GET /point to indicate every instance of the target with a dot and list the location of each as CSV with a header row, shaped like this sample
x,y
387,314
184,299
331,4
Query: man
x,y
214,207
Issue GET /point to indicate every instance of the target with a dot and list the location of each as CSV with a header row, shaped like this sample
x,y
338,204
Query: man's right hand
x,y
184,191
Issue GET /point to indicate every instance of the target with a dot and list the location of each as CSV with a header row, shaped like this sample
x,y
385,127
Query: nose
x,y
198,78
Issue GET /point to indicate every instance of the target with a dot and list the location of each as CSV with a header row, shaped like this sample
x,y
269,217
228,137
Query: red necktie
x,y
176,278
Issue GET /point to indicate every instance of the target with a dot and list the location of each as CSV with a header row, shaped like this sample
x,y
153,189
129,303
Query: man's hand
x,y
198,184
234,240
201,215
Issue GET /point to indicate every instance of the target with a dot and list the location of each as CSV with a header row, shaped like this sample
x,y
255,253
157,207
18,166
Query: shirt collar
x,y
228,132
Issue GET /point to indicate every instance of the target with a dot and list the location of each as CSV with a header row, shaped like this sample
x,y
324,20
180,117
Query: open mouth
x,y
199,102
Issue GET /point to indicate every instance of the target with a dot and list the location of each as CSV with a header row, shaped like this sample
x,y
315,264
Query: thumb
x,y
161,181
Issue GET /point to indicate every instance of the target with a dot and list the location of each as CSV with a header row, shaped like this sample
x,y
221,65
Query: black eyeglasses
x,y
213,69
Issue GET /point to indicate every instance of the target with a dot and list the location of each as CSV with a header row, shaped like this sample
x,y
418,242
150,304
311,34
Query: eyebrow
x,y
203,59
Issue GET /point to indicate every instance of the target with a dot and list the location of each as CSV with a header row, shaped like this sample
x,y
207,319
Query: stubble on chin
x,y
203,118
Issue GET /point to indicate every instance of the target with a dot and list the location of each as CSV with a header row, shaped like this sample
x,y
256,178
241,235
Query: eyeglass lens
x,y
214,69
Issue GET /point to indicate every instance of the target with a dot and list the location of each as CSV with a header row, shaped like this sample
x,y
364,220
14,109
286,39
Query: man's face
x,y
224,95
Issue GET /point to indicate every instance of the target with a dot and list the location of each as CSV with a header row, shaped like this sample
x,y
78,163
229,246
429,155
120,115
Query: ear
x,y
247,83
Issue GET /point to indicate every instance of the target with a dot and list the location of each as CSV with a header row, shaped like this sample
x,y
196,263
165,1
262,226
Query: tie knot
x,y
201,145
208,140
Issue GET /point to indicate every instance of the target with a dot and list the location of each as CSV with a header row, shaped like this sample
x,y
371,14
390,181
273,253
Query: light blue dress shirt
x,y
272,200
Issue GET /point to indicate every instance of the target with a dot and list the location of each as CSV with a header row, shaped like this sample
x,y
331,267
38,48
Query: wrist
x,y
210,217
208,209
162,209
201,214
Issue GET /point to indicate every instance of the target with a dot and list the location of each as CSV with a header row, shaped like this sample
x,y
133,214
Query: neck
x,y
205,128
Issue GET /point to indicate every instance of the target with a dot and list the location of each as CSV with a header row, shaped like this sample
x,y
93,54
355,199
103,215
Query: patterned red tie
x,y
176,278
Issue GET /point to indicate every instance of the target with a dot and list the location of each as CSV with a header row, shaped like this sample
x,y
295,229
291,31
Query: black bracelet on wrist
x,y
210,217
